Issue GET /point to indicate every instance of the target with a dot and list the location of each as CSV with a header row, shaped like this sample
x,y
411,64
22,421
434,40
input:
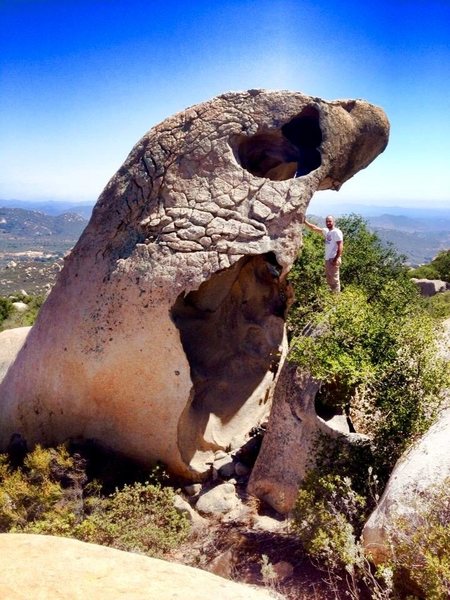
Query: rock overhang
x,y
207,202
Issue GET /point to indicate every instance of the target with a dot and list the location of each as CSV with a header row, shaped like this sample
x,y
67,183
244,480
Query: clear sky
x,y
81,81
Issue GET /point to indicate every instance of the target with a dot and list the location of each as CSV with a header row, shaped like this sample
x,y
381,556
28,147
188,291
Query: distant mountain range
x,y
419,239
27,233
51,207
18,222
55,226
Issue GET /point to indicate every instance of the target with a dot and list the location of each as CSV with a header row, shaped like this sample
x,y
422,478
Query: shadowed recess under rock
x,y
292,151
231,329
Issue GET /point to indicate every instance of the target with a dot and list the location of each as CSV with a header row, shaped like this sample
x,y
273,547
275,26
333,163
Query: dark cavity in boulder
x,y
238,318
291,151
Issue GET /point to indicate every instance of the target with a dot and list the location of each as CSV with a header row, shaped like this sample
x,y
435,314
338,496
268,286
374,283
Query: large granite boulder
x,y
163,334
35,566
420,473
11,341
293,440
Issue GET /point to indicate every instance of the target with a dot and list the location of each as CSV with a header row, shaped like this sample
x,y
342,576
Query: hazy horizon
x,y
317,206
82,81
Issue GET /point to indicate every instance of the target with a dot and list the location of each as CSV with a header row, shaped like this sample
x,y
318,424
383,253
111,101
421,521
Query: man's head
x,y
329,222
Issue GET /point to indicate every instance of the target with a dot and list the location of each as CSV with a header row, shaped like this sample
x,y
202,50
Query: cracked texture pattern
x,y
105,359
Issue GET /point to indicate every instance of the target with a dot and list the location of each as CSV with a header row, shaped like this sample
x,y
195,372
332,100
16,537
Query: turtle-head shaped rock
x,y
163,335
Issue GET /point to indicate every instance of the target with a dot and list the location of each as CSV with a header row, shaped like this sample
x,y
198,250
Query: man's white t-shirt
x,y
331,239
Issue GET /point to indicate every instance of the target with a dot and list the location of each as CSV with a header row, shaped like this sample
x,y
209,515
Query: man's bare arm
x,y
340,248
313,227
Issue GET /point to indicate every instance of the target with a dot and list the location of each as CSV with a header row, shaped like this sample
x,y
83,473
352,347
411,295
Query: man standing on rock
x,y
334,246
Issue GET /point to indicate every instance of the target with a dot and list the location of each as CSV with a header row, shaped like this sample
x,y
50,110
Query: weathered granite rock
x,y
419,472
20,306
184,508
163,334
431,287
45,567
11,341
219,500
292,439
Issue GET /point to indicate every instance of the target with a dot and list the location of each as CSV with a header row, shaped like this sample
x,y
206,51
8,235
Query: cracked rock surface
x,y
164,333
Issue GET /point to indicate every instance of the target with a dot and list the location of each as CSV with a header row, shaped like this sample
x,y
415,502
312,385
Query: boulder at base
x,y
420,472
43,567
11,341
163,334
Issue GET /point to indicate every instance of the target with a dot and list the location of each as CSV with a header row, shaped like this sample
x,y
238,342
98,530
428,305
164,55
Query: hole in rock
x,y
231,330
330,402
291,151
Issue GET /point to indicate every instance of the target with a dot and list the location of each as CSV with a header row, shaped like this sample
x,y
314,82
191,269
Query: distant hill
x,y
51,207
420,239
418,247
17,222
33,236
410,224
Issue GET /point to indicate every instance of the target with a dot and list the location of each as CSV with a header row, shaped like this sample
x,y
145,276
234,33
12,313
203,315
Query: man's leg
x,y
332,275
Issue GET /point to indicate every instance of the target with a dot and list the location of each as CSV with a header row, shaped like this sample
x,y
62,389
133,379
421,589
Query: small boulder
x,y
430,287
186,509
219,500
20,307
11,340
283,570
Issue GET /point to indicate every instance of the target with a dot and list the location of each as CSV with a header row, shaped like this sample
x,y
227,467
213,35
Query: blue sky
x,y
82,81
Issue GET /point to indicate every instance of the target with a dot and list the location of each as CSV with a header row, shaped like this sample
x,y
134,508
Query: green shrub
x,y
13,318
424,272
376,360
139,518
6,308
50,494
422,544
438,306
324,519
30,494
438,268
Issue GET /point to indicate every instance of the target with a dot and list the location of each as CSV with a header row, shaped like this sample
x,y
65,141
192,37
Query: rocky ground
x,y
238,537
34,274
255,548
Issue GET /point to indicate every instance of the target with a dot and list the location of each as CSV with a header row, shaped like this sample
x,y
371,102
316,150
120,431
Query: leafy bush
x,y
50,494
424,272
438,306
30,494
442,264
6,309
374,349
377,360
139,518
13,318
327,519
324,518
438,268
422,547
368,262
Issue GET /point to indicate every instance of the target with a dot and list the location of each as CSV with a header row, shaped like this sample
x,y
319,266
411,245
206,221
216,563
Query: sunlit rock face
x,y
63,568
163,335
423,471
